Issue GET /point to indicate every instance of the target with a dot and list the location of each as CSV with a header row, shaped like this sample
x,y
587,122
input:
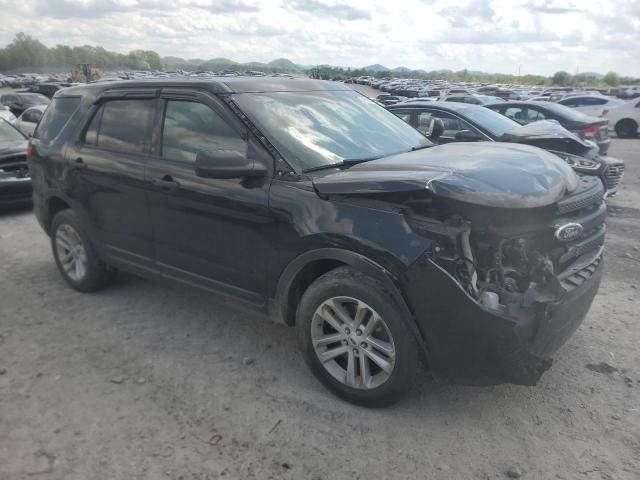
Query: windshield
x,y
322,128
34,99
495,123
9,134
568,113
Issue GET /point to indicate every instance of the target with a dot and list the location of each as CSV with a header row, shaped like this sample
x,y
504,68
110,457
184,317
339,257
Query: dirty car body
x,y
493,252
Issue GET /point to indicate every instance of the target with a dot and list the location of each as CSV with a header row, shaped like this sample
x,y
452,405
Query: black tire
x,y
345,282
627,128
97,274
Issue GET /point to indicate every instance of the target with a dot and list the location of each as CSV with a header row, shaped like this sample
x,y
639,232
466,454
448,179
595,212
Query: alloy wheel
x,y
353,343
71,252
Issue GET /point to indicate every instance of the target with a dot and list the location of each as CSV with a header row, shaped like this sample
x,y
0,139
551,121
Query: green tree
x,y
561,78
612,79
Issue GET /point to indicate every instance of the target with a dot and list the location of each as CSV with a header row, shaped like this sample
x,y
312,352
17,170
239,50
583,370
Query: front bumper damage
x,y
472,344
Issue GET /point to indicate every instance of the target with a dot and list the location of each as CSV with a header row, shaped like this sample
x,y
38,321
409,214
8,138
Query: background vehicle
x,y
593,105
469,123
46,89
625,119
28,121
589,128
472,99
18,102
15,184
306,201
7,114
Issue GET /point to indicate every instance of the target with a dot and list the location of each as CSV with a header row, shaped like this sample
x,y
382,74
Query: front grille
x,y
13,163
614,176
578,277
587,195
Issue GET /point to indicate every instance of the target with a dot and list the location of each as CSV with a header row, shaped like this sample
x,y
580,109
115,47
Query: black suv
x,y
308,202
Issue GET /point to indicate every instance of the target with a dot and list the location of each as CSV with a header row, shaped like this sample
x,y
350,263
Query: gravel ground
x,y
144,381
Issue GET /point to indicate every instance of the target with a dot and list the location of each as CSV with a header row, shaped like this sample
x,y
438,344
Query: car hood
x,y
488,174
13,148
549,134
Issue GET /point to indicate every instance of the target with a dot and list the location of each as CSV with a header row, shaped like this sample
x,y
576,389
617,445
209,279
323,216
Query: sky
x,y
505,36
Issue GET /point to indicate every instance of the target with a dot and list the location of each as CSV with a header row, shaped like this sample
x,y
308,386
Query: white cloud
x,y
539,36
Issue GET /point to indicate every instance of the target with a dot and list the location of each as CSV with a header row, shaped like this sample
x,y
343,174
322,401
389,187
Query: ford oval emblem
x,y
568,232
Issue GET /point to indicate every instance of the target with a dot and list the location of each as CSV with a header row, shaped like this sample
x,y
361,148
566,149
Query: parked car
x,y
472,99
19,102
29,119
625,119
15,184
306,201
593,105
6,114
589,128
46,89
471,123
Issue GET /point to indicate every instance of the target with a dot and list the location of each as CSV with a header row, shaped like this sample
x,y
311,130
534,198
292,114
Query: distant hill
x,y
376,68
280,64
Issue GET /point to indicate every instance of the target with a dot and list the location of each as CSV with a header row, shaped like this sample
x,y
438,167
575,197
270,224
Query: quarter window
x,y
55,117
191,127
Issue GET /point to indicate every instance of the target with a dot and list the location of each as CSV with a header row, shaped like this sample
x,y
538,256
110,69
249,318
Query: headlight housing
x,y
577,162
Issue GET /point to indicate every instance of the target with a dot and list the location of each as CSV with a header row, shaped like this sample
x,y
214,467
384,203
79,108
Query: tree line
x,y
25,52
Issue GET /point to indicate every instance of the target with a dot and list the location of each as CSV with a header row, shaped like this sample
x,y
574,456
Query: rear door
x,y
208,232
106,175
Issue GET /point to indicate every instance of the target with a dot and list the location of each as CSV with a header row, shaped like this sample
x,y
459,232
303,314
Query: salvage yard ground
x,y
145,381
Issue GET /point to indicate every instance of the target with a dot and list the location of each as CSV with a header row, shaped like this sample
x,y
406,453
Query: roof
x,y
214,85
452,106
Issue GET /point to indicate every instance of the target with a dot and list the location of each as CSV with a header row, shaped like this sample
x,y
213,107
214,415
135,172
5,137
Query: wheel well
x,y
56,205
303,279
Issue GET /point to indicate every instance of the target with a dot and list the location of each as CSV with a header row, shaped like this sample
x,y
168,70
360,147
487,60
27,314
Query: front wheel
x,y
355,340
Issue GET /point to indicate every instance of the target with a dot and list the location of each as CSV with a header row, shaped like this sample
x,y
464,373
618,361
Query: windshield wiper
x,y
420,147
323,167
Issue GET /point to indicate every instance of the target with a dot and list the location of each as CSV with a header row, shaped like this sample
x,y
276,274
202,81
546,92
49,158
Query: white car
x,y
7,114
625,119
592,105
28,121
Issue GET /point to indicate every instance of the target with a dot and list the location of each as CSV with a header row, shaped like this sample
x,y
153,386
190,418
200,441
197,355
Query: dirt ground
x,y
144,381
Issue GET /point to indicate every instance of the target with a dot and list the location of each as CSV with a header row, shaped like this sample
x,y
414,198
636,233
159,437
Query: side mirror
x,y
468,136
227,164
436,129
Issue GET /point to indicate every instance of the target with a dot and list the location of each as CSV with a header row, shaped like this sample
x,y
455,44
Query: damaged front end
x,y
525,279
513,244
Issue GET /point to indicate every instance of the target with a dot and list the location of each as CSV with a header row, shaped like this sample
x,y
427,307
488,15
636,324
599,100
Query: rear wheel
x,y
626,128
75,257
355,339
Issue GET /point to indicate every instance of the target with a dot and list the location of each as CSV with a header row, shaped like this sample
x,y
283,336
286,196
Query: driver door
x,y
208,232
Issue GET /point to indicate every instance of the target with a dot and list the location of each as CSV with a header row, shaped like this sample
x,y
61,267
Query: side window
x,y
423,120
637,105
191,127
452,124
515,113
121,125
534,115
55,117
594,101
404,115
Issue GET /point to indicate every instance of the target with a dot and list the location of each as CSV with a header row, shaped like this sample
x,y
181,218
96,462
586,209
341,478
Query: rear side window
x,y
56,117
121,125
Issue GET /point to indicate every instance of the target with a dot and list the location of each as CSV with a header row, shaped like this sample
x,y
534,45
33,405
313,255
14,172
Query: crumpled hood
x,y
489,174
549,134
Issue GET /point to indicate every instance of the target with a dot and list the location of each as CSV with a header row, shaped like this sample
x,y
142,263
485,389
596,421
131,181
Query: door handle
x,y
77,164
166,183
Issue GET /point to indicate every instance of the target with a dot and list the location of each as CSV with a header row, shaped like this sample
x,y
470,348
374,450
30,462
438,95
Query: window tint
x,y
534,115
452,124
571,102
193,127
56,117
123,125
515,113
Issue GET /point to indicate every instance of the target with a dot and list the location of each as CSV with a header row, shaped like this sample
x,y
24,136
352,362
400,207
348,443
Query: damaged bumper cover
x,y
472,344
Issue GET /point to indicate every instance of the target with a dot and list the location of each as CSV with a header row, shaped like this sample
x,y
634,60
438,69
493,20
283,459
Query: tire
x,y
345,291
626,128
67,234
